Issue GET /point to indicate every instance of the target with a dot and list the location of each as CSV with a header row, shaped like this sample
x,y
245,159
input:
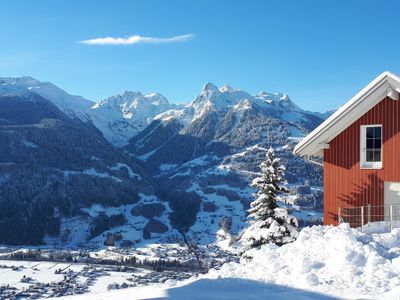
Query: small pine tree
x,y
269,223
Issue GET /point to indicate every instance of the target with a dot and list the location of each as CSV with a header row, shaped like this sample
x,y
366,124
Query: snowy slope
x,y
48,159
324,263
221,289
338,261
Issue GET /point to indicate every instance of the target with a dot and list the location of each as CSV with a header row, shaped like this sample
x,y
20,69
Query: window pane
x,y
370,132
377,132
369,156
377,156
373,156
370,143
377,143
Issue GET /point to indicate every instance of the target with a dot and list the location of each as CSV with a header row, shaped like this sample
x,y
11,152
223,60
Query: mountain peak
x,y
157,98
129,94
226,88
285,101
122,116
208,89
18,80
133,98
262,94
18,84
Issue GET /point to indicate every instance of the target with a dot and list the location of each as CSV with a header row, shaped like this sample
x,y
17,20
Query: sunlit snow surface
x,y
324,263
44,272
208,289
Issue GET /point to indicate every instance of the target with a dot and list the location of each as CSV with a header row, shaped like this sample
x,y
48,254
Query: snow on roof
x,y
386,84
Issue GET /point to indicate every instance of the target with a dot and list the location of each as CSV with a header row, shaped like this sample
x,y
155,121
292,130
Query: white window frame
x,y
363,148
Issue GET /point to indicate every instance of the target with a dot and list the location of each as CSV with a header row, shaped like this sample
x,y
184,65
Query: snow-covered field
x,y
41,271
23,274
325,262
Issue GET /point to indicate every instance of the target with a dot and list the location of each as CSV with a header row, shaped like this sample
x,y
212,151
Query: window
x,y
371,146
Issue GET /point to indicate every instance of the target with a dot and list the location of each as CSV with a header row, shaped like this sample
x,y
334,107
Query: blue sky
x,y
319,52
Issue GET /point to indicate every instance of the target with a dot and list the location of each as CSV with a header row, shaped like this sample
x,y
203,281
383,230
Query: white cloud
x,y
137,39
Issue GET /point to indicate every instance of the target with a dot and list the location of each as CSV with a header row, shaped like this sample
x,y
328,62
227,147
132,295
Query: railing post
x,y
362,218
369,214
391,217
339,214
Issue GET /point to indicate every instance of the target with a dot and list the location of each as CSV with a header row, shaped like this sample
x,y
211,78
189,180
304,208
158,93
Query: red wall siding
x,y
345,184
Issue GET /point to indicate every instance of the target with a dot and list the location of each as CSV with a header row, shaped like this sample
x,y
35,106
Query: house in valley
x,y
360,146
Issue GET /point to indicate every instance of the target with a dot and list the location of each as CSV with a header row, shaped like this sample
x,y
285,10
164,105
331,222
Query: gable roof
x,y
386,84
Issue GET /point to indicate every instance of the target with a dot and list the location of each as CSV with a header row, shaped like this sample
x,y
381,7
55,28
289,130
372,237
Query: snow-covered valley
x,y
160,190
325,262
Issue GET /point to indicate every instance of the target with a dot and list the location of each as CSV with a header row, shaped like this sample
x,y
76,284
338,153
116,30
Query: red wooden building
x,y
360,145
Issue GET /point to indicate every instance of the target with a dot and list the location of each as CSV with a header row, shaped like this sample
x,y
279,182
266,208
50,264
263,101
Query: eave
x,y
385,85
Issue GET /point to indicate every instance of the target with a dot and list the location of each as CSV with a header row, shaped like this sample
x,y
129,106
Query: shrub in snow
x,y
269,223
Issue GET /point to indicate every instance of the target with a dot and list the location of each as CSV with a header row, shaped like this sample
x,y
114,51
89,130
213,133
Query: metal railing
x,y
378,216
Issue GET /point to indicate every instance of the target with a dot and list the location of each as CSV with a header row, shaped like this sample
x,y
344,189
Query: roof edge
x,y
369,90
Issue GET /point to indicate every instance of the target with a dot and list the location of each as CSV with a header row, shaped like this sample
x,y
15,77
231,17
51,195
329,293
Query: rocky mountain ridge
x,y
137,167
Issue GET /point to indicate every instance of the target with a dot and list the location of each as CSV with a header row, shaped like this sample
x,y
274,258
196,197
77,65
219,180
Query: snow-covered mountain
x,y
119,117
224,98
122,116
72,105
221,115
203,154
53,164
158,166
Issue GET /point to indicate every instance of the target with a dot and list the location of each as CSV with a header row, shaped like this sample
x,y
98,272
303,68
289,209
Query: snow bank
x,y
338,261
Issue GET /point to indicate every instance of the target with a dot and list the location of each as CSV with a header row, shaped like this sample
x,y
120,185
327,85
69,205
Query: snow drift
x,y
338,261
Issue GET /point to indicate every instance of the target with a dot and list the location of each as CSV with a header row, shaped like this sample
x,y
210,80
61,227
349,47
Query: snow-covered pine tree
x,y
269,223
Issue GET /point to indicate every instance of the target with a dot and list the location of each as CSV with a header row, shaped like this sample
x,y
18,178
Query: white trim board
x,y
386,84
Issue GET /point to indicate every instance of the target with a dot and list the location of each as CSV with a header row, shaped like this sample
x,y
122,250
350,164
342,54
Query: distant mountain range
x,y
75,172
